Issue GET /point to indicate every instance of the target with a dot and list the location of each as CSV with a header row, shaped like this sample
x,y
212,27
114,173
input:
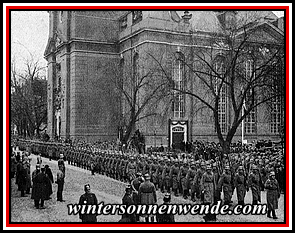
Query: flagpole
x,y
243,108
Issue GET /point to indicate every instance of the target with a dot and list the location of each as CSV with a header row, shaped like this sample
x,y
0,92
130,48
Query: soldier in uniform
x,y
131,169
216,173
182,177
159,172
61,163
255,185
140,164
225,184
208,186
88,198
190,177
174,171
135,187
124,169
147,194
166,177
272,195
241,184
153,169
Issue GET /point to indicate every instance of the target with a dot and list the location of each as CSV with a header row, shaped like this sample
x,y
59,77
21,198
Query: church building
x,y
89,51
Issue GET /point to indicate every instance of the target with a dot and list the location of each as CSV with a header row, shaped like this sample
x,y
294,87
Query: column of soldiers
x,y
180,174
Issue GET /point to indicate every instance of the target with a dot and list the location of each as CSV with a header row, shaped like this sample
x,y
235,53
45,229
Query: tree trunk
x,y
128,131
226,147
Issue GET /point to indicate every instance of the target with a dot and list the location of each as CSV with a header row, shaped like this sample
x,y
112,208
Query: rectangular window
x,y
220,69
179,101
277,104
250,126
276,116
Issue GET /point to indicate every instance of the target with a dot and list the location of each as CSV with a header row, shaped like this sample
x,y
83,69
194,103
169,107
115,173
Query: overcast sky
x,y
29,34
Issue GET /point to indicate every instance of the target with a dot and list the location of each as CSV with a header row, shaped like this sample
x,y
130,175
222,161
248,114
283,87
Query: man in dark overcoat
x,y
166,217
40,190
88,198
128,200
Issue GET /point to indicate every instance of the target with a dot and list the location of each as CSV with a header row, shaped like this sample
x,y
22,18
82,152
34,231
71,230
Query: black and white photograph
x,y
146,117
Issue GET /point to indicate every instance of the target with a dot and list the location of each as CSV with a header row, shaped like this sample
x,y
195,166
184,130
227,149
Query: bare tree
x,y
237,68
141,91
29,98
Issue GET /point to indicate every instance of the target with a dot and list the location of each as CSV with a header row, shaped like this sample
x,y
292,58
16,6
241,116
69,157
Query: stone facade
x,y
83,46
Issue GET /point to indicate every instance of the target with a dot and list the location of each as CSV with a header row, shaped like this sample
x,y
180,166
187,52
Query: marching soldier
x,y
272,195
216,174
225,184
166,177
131,169
197,178
190,177
174,171
153,169
182,177
241,184
208,186
140,164
255,185
159,172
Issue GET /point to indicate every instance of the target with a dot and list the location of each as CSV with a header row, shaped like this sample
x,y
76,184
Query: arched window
x,y
178,106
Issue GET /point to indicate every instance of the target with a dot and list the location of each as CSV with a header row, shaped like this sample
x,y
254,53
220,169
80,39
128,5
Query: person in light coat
x,y
147,194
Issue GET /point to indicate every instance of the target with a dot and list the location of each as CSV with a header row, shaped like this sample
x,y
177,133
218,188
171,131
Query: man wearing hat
x,y
241,184
22,177
165,176
88,198
60,180
131,169
163,218
61,163
190,177
174,171
128,200
272,195
40,190
208,186
182,177
225,184
135,187
216,174
255,185
147,194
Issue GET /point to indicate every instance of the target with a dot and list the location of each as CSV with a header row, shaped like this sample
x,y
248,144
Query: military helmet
x,y
272,173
